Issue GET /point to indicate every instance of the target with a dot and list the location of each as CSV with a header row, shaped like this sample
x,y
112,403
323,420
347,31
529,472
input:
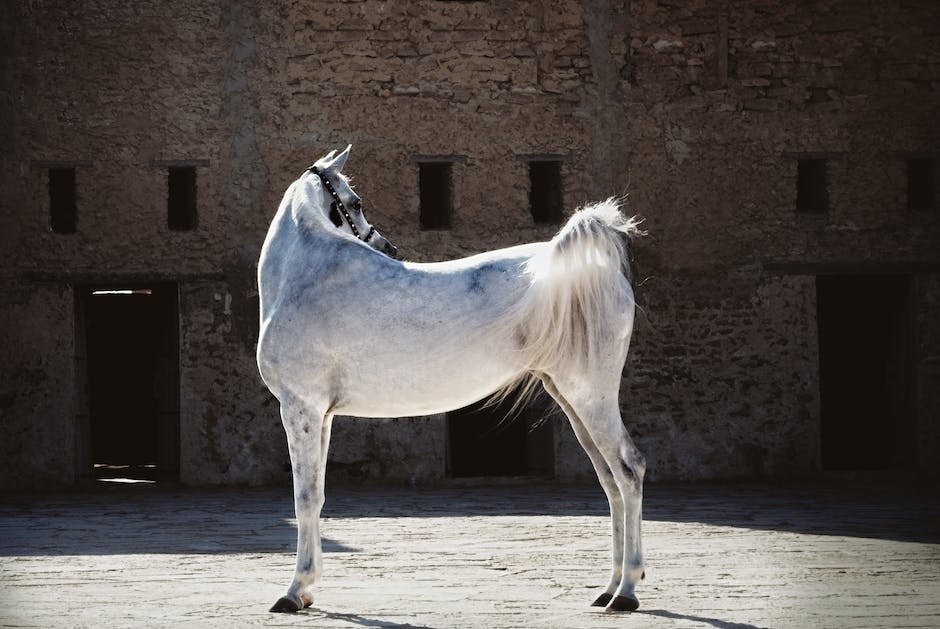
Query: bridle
x,y
340,206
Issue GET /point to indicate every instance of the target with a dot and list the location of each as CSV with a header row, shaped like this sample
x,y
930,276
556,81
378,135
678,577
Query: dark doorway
x,y
490,440
131,343
865,372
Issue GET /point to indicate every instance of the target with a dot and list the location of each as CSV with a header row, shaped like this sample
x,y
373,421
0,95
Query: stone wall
x,y
723,99
37,409
699,110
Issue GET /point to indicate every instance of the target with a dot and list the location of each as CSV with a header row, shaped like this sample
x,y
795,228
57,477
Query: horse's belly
x,y
424,388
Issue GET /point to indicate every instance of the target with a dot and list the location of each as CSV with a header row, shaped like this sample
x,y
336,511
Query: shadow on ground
x,y
898,512
196,521
151,520
711,622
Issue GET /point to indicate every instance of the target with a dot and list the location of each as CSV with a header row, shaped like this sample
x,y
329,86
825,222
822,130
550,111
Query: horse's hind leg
x,y
308,436
620,469
607,483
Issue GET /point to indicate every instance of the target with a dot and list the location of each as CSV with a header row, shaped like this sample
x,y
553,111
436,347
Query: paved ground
x,y
717,556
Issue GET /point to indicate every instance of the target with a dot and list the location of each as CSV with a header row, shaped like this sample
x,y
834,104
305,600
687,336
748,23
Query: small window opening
x,y
62,200
545,191
436,192
812,195
921,183
181,198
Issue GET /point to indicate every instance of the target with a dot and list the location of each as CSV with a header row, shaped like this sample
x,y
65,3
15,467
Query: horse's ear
x,y
324,162
340,160
332,162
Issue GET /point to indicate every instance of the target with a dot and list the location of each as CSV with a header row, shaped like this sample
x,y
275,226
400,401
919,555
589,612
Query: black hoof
x,y
624,604
602,600
284,606
643,576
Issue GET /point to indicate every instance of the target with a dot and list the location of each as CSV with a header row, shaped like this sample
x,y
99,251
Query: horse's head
x,y
342,206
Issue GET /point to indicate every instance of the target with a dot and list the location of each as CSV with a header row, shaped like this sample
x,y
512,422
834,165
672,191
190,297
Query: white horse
x,y
346,329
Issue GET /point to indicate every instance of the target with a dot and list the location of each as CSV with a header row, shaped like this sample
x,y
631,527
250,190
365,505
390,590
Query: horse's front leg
x,y
308,436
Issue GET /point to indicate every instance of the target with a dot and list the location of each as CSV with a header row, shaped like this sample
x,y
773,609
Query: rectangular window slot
x,y
62,206
545,191
921,183
812,194
436,194
181,198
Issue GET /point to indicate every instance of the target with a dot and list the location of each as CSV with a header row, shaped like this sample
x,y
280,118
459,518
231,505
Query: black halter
x,y
340,206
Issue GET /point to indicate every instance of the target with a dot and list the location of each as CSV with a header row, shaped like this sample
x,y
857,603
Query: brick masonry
x,y
700,110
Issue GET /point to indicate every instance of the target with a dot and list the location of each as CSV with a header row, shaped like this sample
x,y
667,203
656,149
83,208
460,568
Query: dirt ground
x,y
819,555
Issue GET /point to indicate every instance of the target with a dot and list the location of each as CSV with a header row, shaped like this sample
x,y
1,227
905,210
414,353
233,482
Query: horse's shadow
x,y
361,621
714,622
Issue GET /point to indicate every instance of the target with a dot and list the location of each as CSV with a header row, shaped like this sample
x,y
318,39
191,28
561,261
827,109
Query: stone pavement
x,y
834,555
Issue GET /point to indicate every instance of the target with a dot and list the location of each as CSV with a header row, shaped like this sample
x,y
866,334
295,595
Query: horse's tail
x,y
580,298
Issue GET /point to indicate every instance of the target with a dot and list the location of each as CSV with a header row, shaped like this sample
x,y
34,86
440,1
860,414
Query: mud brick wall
x,y
37,412
699,110
723,99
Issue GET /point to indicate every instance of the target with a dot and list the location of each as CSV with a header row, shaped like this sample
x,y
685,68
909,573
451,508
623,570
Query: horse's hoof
x,y
643,576
602,600
284,606
624,604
